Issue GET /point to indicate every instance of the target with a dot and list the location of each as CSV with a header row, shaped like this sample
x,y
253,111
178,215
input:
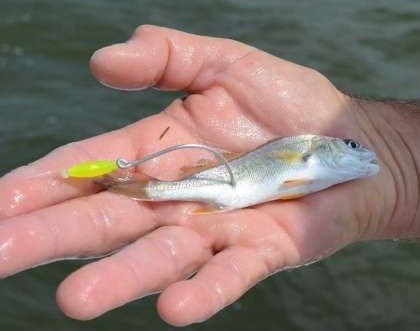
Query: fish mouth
x,y
373,166
372,158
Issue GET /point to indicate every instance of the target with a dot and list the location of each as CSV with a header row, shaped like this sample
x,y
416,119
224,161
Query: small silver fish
x,y
282,169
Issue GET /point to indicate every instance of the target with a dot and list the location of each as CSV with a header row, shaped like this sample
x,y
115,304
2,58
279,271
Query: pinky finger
x,y
225,278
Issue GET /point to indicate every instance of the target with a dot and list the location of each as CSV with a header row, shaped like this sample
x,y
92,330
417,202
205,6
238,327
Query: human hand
x,y
240,97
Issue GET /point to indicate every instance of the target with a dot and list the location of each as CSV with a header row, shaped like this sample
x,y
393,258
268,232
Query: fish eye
x,y
351,143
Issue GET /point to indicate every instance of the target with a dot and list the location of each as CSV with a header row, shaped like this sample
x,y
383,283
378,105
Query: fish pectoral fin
x,y
206,210
296,181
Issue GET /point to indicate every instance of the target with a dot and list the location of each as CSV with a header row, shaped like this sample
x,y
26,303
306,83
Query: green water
x,y
48,98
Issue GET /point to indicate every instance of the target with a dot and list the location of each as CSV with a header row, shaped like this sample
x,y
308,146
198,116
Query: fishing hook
x,y
124,164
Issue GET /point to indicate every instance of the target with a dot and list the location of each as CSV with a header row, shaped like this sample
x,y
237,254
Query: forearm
x,y
393,130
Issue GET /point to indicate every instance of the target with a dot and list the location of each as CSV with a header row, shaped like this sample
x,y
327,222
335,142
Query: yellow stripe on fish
x,y
288,155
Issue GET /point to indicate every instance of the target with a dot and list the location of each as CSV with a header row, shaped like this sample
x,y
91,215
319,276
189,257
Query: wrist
x,y
392,129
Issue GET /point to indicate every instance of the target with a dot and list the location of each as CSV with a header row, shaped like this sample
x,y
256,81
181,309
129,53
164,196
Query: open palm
x,y
239,97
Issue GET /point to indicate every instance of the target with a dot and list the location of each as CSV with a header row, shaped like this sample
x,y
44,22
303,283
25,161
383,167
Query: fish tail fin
x,y
135,189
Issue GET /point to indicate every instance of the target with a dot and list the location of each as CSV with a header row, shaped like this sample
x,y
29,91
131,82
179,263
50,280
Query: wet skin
x,y
239,97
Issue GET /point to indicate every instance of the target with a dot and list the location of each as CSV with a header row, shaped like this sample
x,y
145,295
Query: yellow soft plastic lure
x,y
91,169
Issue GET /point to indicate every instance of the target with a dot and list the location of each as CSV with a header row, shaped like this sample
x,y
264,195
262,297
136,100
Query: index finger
x,y
167,58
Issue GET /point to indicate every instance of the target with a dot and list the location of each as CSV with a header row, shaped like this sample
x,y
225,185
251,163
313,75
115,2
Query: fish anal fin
x,y
290,196
296,181
206,210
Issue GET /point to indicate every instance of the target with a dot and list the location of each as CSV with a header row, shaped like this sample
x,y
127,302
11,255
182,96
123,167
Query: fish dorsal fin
x,y
205,164
232,155
200,166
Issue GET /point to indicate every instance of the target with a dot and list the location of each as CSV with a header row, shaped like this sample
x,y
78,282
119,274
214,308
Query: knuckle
x,y
144,29
97,218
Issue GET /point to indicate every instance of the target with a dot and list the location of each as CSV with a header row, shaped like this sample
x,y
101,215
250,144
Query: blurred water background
x,y
48,98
